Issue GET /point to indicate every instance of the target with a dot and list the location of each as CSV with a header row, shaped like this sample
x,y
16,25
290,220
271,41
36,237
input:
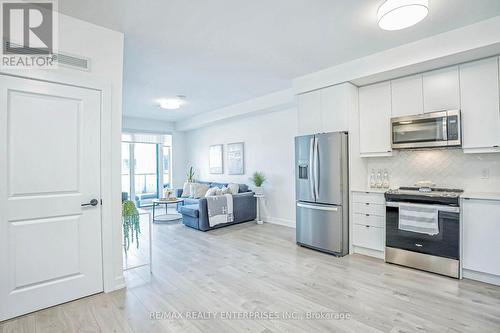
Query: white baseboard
x,y
279,221
482,277
369,252
119,282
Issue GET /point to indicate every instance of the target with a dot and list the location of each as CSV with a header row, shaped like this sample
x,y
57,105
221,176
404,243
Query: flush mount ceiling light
x,y
400,14
172,103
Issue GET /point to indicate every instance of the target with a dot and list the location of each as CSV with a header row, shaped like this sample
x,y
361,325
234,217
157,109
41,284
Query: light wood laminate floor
x,y
252,268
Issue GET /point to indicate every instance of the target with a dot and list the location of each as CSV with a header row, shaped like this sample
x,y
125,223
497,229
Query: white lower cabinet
x,y
481,236
368,237
368,220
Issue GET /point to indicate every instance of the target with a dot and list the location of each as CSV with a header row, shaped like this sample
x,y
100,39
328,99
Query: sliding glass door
x,y
166,158
126,171
145,173
145,168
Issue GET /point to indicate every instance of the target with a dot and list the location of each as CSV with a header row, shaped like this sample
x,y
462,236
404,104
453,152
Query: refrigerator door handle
x,y
330,209
316,168
311,167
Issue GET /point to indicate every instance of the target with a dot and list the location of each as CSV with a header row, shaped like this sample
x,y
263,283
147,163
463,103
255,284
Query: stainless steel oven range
x,y
423,229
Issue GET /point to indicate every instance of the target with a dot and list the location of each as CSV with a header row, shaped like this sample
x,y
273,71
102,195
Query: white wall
x,y
269,148
279,100
104,48
179,159
134,124
471,42
446,168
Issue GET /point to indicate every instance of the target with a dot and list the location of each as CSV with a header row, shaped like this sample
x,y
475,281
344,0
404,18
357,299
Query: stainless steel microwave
x,y
437,129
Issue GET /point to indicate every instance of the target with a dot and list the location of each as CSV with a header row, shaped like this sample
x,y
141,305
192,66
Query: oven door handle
x,y
441,208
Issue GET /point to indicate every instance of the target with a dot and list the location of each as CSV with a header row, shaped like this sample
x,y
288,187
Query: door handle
x,y
311,168
316,167
330,209
92,202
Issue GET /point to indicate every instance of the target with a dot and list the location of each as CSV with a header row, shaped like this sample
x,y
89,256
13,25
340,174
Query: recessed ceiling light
x,y
172,103
400,14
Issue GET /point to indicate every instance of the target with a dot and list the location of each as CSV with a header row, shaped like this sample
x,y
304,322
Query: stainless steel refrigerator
x,y
322,192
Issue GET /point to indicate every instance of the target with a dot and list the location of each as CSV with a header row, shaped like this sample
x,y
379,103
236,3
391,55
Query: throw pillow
x,y
198,190
233,188
212,192
186,190
224,190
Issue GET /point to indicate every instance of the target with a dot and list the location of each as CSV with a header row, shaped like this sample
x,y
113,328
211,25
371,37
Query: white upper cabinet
x,y
480,99
326,110
441,90
375,120
335,107
309,114
407,96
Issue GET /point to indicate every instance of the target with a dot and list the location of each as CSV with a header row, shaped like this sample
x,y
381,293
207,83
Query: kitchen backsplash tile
x,y
444,167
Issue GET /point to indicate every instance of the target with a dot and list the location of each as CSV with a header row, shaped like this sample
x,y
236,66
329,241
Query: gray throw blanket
x,y
220,209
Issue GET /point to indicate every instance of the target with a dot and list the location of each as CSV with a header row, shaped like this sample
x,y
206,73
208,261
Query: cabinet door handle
x,y
368,215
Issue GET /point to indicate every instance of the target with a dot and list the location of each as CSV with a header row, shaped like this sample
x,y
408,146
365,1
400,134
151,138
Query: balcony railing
x,y
145,185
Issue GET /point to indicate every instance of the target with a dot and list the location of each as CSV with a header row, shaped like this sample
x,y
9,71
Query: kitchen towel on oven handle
x,y
423,219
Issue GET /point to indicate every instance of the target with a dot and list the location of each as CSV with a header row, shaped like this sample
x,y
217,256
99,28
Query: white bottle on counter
x,y
379,179
385,182
373,182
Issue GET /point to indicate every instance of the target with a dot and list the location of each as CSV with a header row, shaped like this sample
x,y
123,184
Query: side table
x,y
260,198
150,232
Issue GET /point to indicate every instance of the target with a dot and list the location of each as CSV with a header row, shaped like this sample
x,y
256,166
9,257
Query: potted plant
x,y
190,175
258,178
131,225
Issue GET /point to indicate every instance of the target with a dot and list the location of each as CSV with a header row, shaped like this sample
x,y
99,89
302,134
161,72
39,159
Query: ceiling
x,y
222,52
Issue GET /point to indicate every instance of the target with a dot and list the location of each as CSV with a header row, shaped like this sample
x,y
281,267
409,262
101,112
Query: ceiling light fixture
x,y
400,14
172,103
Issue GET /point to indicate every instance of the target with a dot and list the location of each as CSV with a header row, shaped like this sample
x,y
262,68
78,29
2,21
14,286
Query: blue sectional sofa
x,y
195,213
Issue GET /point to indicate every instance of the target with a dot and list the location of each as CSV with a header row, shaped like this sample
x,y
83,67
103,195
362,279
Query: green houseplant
x,y
190,175
258,179
131,225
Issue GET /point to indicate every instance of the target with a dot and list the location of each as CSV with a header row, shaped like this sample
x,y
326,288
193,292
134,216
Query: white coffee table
x,y
167,217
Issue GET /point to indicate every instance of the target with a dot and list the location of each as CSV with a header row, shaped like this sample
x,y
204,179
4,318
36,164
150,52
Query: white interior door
x,y
50,245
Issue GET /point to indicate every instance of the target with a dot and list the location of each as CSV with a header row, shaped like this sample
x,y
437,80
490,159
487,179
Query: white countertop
x,y
481,195
370,190
465,195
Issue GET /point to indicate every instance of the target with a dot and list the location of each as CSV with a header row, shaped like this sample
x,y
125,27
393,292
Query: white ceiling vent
x,y
72,61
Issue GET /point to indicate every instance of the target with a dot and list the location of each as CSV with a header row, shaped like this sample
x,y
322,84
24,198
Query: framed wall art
x,y
215,162
236,158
